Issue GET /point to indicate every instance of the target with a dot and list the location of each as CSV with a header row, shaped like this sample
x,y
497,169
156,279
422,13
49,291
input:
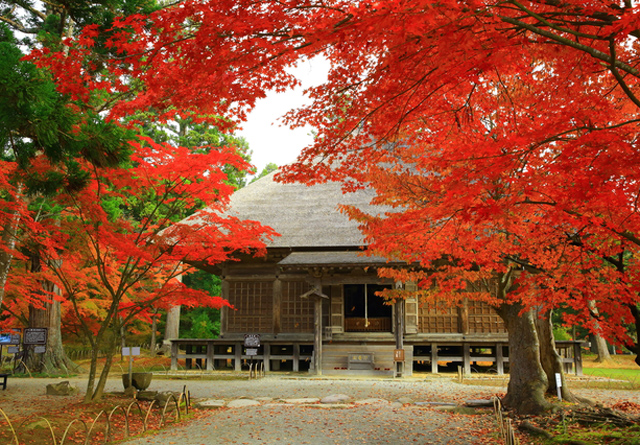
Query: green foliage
x,y
186,132
202,322
35,119
270,167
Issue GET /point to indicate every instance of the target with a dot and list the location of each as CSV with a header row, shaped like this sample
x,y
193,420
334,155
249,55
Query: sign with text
x,y
398,355
131,351
12,338
252,351
35,336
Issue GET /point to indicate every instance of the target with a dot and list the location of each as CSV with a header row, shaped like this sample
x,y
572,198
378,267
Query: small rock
x,y
147,396
211,404
61,389
240,403
162,397
301,400
479,403
372,402
130,391
335,398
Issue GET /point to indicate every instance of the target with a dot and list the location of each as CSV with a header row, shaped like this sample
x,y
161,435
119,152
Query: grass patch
x,y
597,435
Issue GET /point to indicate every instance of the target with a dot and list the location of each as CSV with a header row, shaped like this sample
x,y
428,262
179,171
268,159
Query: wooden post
x,y
399,333
224,312
277,305
210,366
266,357
296,357
237,365
434,358
466,358
577,358
463,316
317,338
499,359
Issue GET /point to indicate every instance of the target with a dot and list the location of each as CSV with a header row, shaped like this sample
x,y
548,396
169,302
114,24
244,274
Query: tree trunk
x,y
527,379
602,348
9,234
54,359
172,328
154,328
599,342
550,359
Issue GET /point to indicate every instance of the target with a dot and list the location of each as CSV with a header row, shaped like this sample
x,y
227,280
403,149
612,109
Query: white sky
x,y
268,138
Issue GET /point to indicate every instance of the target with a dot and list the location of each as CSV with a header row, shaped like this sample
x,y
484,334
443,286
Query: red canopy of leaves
x,y
504,133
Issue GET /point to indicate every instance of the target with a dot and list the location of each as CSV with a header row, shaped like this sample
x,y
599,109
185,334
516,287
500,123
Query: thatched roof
x,y
304,216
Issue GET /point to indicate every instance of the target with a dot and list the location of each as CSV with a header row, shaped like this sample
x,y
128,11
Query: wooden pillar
x,y
399,334
210,366
317,337
296,357
224,312
499,359
466,358
463,316
174,356
577,358
266,357
237,365
434,358
277,305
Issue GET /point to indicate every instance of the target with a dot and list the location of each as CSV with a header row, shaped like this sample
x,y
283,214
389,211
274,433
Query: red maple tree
x,y
503,132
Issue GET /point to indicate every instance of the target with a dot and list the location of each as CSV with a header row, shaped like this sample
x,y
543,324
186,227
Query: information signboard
x,y
35,336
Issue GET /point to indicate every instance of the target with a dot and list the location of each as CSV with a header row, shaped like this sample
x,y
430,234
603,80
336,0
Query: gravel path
x,y
379,411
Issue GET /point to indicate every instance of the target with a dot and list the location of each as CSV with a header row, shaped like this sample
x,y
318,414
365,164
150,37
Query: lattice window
x,y
438,317
483,319
253,301
297,313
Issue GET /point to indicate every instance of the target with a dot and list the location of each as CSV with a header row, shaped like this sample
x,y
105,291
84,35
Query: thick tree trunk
x,y
527,379
172,328
550,359
54,359
602,349
599,343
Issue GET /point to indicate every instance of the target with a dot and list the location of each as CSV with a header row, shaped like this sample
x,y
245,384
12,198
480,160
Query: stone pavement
x,y
278,410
